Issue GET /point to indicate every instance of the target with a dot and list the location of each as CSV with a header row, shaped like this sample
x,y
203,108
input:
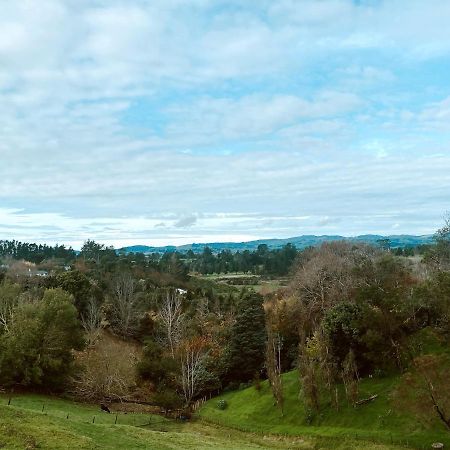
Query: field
x,y
25,426
379,422
263,285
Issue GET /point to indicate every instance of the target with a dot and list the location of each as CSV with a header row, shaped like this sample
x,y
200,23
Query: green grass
x,y
23,425
378,421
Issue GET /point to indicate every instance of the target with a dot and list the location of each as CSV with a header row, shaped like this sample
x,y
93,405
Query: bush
x,y
108,369
167,399
222,404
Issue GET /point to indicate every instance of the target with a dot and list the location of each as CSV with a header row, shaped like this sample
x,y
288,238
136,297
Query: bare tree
x,y
273,363
9,299
425,390
273,353
171,315
350,378
108,369
125,305
192,356
91,320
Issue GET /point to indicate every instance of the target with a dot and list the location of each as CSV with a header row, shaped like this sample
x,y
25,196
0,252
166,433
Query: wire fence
x,y
80,413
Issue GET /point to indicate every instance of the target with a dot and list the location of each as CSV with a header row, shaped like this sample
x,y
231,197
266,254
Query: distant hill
x,y
301,242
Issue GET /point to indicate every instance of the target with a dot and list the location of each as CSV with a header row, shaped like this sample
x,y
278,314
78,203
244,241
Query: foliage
x,y
262,261
381,421
342,327
35,253
37,349
247,339
156,367
108,370
78,285
222,404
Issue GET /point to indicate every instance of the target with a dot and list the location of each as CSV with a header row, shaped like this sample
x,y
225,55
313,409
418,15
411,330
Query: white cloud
x,y
161,111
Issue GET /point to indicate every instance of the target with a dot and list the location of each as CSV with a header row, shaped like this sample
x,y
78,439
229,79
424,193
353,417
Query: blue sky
x,y
170,121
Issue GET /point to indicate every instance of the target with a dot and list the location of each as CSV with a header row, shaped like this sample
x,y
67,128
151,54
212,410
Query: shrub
x,y
222,404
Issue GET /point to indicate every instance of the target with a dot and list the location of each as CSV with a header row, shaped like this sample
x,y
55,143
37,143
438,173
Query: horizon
x,y
185,241
170,122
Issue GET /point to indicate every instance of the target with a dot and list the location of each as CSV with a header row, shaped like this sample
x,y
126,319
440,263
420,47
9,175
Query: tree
x,y
247,346
273,365
92,250
439,254
9,298
108,370
125,305
425,389
37,349
342,328
77,284
192,357
91,320
170,315
350,377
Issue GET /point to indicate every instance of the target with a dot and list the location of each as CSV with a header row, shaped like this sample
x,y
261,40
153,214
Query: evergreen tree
x,y
248,339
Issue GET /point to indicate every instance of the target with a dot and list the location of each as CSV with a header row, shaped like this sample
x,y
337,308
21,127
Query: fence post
x,y
115,422
43,406
93,419
9,401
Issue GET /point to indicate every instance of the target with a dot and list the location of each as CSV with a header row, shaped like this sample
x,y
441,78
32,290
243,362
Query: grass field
x,y
24,425
378,421
260,284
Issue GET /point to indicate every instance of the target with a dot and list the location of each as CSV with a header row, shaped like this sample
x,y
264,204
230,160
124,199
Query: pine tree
x,y
248,339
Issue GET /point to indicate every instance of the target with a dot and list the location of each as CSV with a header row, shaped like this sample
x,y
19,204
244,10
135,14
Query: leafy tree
x,y
342,327
156,367
432,299
78,285
246,352
37,349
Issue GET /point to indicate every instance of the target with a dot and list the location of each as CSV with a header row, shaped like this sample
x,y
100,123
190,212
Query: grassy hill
x,y
35,421
379,421
250,422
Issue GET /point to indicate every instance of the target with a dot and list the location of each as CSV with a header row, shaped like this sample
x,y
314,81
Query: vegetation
x,y
356,343
382,420
67,425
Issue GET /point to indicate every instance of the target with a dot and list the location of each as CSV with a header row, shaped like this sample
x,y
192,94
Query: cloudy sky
x,y
174,121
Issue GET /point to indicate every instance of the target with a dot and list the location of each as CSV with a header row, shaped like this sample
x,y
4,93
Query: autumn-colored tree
x,y
108,369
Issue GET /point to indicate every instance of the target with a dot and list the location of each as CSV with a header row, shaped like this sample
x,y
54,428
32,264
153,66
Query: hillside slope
x,y
35,421
377,421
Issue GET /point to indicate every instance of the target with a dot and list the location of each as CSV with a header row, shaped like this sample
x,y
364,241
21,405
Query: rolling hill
x,y
301,242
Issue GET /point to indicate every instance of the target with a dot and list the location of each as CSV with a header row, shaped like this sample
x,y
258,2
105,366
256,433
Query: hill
x,y
63,424
378,421
301,242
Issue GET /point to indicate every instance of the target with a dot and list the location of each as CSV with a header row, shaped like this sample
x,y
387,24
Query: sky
x,y
175,121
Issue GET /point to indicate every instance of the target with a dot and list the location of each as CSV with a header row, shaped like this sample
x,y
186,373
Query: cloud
x,y
185,222
288,109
